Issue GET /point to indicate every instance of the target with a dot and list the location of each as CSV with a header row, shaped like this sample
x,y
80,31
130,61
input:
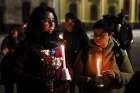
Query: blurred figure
x,y
38,60
125,35
122,32
9,44
111,73
11,41
75,38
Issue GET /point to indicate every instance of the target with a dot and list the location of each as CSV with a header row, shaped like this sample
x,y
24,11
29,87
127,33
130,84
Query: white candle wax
x,y
98,64
63,56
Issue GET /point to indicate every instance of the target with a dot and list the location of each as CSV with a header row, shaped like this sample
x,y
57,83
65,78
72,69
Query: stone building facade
x,y
88,11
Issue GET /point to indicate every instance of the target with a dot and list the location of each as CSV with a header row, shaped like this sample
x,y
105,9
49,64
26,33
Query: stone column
x,y
84,11
132,11
103,7
120,5
63,4
55,4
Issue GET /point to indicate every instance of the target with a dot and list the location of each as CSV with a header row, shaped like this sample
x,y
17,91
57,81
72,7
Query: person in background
x,y
125,34
11,41
9,45
75,38
122,32
38,64
111,73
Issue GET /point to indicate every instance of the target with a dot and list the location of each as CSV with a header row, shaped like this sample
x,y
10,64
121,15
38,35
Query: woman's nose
x,y
50,23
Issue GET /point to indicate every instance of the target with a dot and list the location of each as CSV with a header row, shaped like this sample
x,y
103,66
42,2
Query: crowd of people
x,y
39,61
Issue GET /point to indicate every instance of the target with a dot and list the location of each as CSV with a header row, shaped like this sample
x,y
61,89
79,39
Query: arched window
x,y
2,16
93,12
73,8
26,6
139,12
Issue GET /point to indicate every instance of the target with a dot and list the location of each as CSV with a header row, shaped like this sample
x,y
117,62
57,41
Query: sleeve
x,y
126,70
4,46
130,32
84,39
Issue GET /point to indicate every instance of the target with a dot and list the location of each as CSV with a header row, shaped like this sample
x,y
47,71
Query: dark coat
x,y
75,41
125,36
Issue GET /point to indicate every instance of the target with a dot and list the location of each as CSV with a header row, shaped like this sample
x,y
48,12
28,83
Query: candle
x,y
61,35
98,64
63,56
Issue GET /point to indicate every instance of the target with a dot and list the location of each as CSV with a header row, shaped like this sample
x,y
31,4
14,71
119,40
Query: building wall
x,y
63,6
12,14
83,7
88,11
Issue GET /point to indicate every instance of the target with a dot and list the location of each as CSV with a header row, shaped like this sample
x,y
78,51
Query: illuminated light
x,y
98,64
61,36
63,56
65,71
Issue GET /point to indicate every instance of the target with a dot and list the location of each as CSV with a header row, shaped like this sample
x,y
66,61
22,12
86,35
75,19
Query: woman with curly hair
x,y
39,68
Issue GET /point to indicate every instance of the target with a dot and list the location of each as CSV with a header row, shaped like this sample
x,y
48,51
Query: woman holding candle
x,y
99,70
39,66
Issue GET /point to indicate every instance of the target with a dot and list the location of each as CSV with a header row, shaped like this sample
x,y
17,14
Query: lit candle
x,y
63,56
61,35
98,64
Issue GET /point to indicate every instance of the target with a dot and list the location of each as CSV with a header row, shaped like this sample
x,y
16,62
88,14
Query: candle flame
x,y
98,60
61,36
98,67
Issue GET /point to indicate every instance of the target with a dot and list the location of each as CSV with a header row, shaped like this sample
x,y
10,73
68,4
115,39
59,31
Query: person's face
x,y
69,24
14,33
49,23
101,37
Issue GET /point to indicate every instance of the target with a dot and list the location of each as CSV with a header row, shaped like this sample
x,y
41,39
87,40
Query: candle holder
x,y
99,81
